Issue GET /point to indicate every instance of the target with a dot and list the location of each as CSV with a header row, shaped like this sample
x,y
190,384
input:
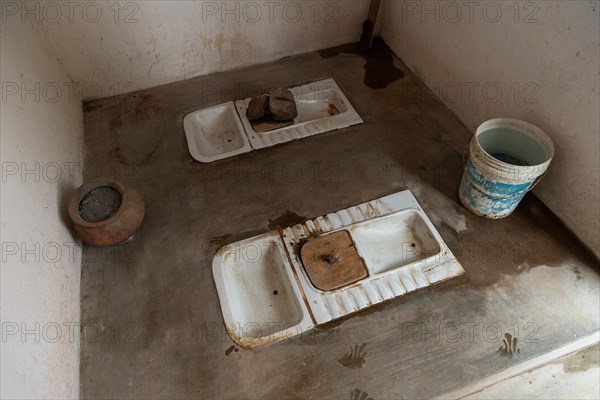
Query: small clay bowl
x,y
118,223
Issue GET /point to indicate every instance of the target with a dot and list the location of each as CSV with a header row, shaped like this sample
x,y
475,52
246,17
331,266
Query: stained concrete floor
x,y
574,376
152,322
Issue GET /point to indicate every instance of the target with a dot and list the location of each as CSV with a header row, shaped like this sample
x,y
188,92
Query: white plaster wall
x,y
540,64
41,152
111,49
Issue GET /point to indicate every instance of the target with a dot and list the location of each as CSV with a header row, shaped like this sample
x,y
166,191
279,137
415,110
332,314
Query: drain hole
x,y
275,292
413,245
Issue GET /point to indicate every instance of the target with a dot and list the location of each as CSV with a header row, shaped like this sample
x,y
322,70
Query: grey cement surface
x,y
152,321
574,376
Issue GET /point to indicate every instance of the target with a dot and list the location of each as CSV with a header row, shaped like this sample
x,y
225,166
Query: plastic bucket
x,y
507,158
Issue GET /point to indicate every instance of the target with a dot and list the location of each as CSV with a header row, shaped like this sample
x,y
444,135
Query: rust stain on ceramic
x,y
333,110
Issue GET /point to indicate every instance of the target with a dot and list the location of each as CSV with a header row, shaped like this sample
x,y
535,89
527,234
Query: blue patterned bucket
x,y
507,158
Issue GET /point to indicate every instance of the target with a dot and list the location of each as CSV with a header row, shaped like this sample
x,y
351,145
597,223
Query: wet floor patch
x,y
379,68
286,220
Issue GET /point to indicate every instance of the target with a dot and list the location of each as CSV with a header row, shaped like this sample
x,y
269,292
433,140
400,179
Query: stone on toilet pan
x,y
282,105
257,107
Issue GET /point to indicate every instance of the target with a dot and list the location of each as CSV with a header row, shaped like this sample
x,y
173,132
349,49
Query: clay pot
x,y
119,212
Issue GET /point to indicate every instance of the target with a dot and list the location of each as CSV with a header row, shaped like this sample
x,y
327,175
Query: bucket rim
x,y
517,124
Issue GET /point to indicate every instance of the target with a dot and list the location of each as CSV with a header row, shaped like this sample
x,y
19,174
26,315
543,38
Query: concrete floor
x,y
152,322
575,376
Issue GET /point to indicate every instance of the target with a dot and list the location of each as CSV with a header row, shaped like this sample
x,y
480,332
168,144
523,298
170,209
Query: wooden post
x,y
366,40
